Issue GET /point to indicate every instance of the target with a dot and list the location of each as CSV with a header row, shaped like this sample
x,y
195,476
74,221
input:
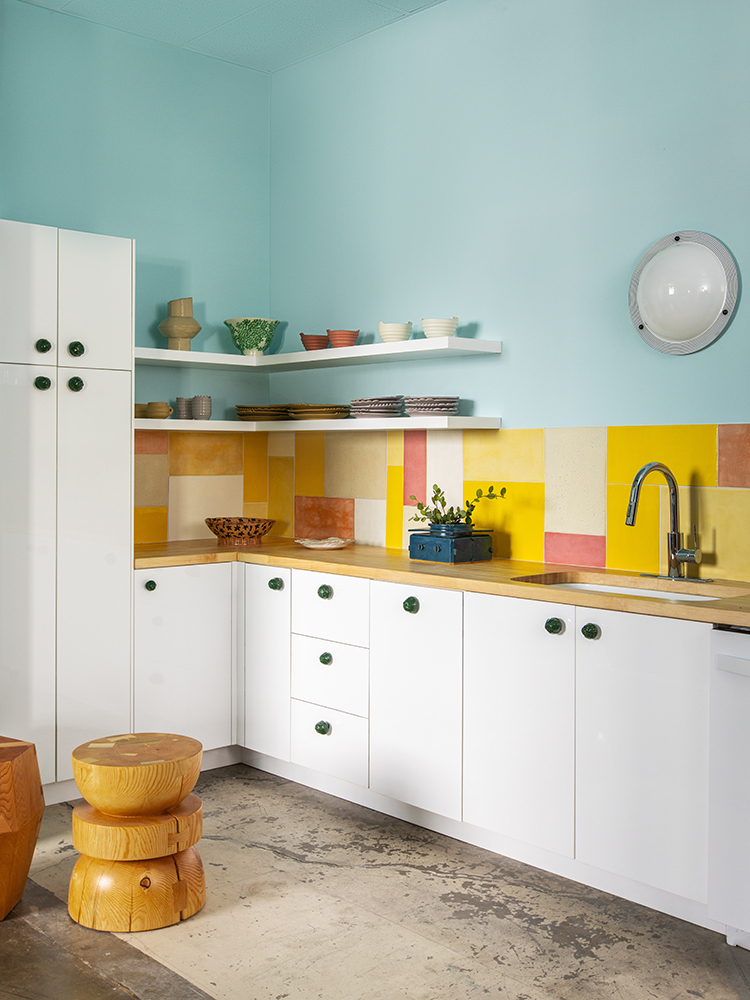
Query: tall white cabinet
x,y
66,314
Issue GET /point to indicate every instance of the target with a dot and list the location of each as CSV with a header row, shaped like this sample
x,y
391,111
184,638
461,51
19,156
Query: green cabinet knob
x,y
42,382
554,626
591,631
324,728
326,659
325,592
76,349
411,605
43,345
150,584
276,583
75,384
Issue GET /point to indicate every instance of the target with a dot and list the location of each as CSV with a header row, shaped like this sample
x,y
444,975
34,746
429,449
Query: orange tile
x,y
256,467
150,525
281,494
151,442
202,453
310,466
734,455
323,517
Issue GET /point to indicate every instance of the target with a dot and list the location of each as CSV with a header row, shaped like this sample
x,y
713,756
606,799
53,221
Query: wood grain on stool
x,y
136,895
118,775
132,838
21,810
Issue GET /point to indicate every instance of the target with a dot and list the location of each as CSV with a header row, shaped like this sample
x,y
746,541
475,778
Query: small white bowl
x,y
391,332
440,327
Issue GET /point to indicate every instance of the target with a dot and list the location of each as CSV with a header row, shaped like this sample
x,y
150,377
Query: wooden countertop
x,y
731,605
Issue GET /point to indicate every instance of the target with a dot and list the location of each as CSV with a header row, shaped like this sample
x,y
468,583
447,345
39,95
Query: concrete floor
x,y
311,897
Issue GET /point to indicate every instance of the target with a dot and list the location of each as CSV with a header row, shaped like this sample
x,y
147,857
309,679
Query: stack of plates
x,y
431,406
275,412
318,411
377,406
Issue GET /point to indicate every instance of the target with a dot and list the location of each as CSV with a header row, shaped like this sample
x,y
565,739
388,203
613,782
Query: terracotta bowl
x,y
239,530
343,338
314,341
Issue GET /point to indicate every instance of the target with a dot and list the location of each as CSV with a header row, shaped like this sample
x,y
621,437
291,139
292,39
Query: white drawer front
x,y
341,753
342,616
330,673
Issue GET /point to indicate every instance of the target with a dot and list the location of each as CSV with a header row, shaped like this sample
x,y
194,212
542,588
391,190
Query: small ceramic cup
x,y
141,410
183,408
201,407
159,411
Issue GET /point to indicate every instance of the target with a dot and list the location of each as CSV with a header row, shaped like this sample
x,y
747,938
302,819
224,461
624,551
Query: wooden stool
x,y
21,810
136,832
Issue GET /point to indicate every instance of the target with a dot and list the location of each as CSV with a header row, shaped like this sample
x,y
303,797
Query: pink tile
x,y
151,442
575,550
323,517
734,455
415,466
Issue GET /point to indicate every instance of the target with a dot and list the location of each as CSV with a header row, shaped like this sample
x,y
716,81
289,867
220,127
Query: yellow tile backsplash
x,y
572,483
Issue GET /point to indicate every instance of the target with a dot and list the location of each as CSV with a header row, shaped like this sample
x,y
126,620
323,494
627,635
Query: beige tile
x,y
369,522
445,465
194,498
575,475
281,444
356,464
151,480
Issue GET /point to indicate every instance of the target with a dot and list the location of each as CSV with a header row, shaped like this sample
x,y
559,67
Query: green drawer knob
x,y
276,583
554,626
324,728
75,384
591,631
150,584
42,382
326,659
76,349
411,605
325,592
43,345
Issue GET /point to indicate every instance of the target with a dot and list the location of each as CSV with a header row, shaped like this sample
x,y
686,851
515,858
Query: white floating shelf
x,y
349,424
365,354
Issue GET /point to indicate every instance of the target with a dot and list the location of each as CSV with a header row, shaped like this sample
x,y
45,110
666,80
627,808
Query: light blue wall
x,y
107,132
509,161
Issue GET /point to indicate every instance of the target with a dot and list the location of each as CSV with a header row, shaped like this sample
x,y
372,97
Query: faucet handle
x,y
690,555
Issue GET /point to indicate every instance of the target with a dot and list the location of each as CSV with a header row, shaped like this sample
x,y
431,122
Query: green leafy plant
x,y
439,513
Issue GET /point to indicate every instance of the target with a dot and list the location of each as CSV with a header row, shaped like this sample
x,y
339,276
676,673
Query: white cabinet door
x,y
519,719
267,659
729,818
416,696
329,606
330,673
96,295
341,750
27,560
183,652
28,293
95,559
642,749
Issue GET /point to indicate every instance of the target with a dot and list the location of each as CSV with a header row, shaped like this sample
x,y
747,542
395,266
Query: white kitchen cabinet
x,y
416,695
329,606
330,741
27,559
729,826
28,293
183,652
642,749
519,719
267,659
331,673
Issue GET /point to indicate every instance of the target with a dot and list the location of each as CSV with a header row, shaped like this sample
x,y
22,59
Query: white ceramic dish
x,y
440,327
324,543
392,332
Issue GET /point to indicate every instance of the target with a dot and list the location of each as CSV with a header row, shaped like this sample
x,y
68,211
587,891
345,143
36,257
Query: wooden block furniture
x,y
21,810
136,832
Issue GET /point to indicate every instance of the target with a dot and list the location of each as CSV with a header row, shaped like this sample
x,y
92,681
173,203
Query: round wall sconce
x,y
683,292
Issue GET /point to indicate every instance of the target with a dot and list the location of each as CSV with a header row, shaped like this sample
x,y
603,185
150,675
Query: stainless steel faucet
x,y
676,554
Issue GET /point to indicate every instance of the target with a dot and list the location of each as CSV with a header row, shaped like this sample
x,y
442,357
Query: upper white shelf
x,y
349,424
365,354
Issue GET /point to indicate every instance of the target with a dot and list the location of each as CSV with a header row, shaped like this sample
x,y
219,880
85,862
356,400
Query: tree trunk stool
x,y
21,810
136,832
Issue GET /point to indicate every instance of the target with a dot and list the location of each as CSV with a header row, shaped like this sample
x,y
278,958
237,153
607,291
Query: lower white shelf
x,y
349,424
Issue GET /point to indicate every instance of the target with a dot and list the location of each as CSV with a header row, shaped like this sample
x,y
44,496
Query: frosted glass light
x,y
683,292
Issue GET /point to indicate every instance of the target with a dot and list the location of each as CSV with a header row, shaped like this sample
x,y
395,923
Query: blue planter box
x,y
437,548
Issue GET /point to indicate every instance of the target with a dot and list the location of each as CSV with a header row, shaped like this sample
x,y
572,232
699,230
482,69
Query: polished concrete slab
x,y
309,896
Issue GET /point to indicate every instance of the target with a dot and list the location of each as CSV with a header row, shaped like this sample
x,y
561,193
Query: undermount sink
x,y
664,589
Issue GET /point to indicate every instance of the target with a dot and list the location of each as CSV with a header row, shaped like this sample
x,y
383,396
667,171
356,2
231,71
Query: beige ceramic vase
x,y
179,327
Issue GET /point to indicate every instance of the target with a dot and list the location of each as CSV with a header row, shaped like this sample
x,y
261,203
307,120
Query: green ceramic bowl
x,y
252,335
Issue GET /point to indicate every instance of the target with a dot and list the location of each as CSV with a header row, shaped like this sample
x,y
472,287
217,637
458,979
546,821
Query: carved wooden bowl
x,y
239,530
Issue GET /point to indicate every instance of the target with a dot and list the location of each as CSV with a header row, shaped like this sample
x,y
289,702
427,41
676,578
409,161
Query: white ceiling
x,y
264,35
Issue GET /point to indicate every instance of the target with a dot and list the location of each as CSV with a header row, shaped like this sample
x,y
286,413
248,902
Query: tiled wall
x,y
567,487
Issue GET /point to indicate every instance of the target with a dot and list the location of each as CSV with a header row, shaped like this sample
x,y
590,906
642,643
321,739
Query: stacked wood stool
x,y
136,832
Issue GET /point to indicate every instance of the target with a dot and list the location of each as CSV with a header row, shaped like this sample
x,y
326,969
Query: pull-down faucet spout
x,y
675,552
